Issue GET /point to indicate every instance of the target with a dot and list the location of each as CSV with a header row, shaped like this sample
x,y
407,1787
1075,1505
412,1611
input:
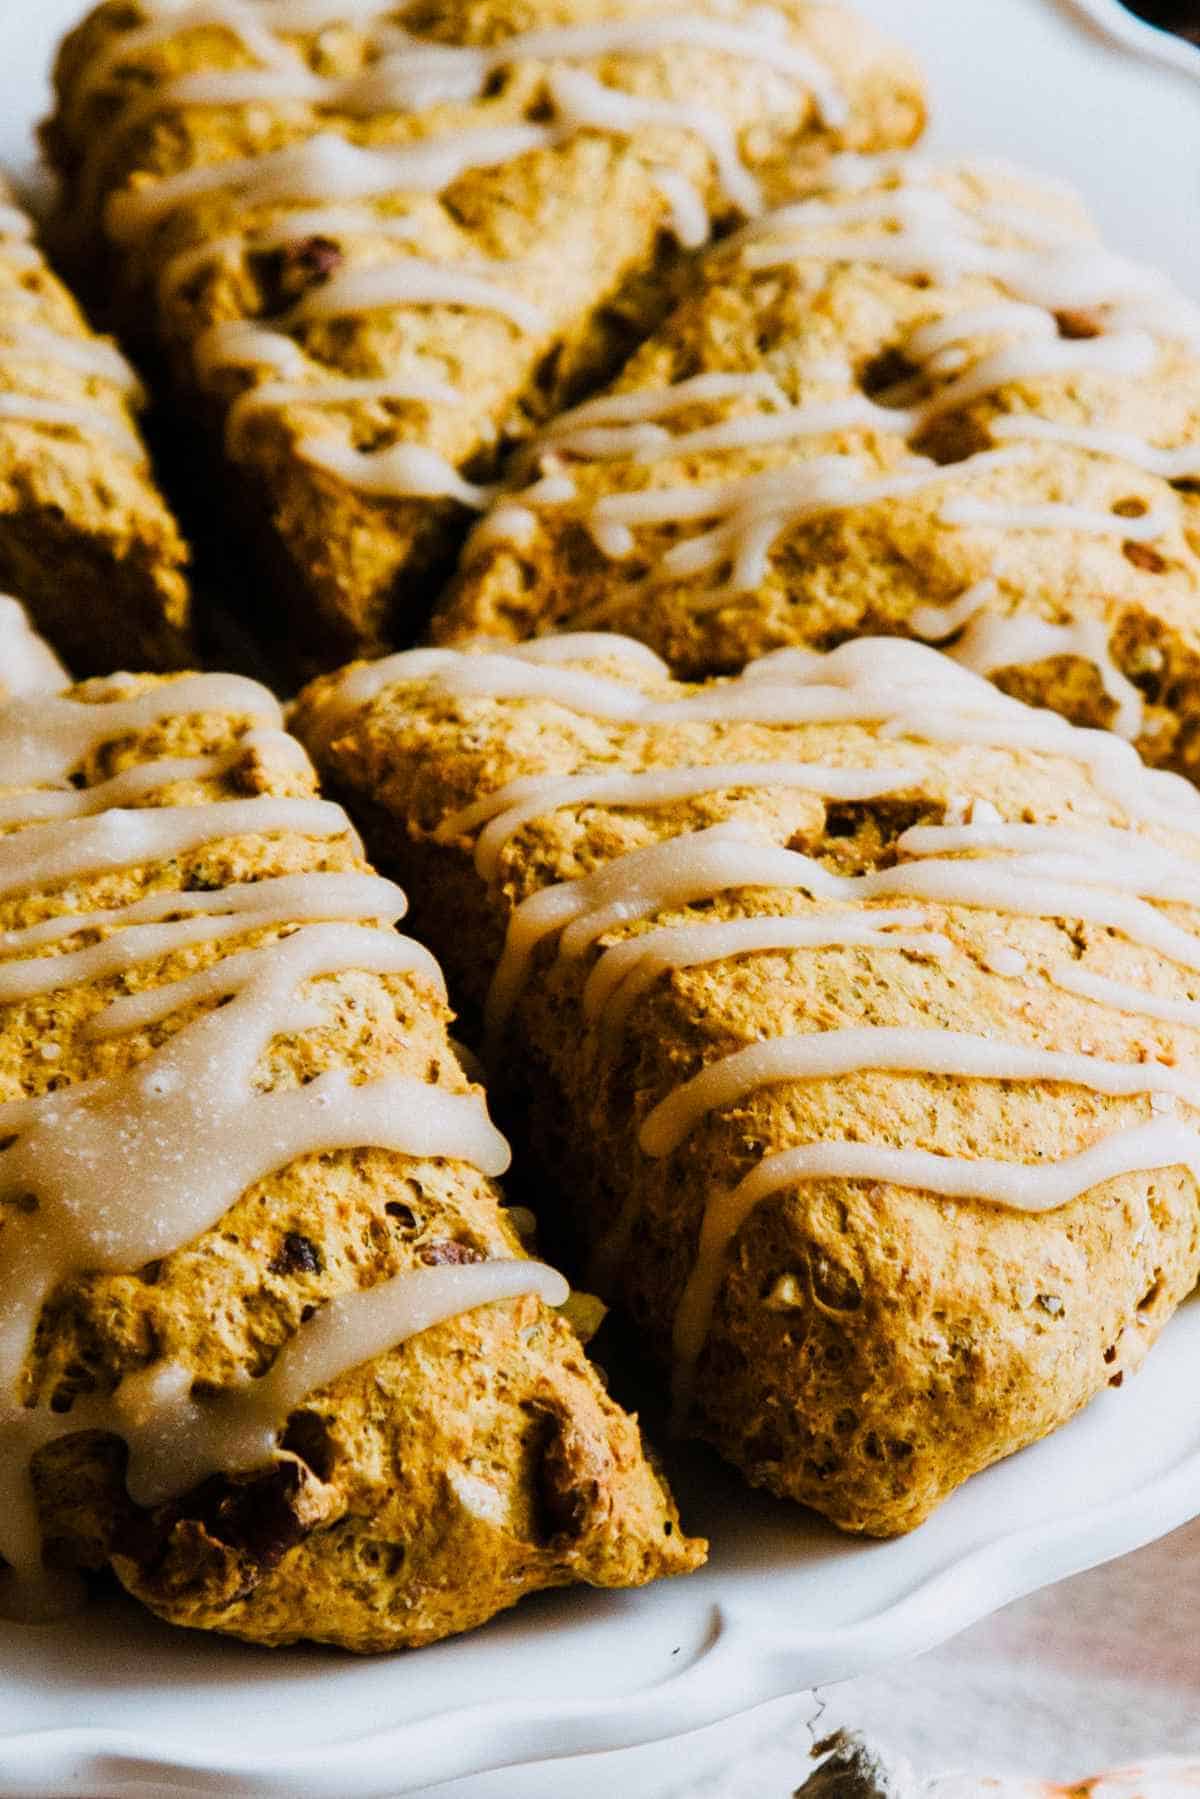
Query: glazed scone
x,y
854,1010
927,401
271,1347
377,245
86,538
27,663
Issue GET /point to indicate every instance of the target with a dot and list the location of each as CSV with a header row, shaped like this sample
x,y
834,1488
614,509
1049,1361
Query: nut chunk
x,y
378,250
852,1005
270,1344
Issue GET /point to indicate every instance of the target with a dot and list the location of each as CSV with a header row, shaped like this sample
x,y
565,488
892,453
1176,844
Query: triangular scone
x,y
86,538
855,1010
269,1343
926,401
431,227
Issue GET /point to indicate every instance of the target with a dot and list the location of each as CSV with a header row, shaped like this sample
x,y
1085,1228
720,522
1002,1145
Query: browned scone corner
x,y
854,1009
86,538
373,264
926,401
270,1344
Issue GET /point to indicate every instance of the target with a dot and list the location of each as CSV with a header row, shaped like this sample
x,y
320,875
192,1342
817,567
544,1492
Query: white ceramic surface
x,y
115,1705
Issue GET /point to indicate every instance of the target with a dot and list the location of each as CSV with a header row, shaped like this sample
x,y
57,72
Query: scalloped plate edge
x,y
487,1738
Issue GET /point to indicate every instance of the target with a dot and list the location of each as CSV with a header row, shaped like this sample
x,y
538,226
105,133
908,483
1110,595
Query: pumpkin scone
x,y
926,401
270,1345
376,245
86,538
855,1010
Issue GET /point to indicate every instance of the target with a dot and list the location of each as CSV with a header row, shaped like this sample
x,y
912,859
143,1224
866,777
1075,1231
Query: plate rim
x,y
982,1579
1129,32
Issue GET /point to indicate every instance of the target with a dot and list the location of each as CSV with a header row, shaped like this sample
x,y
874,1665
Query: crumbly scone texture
x,y
826,328
872,1345
86,538
423,1491
584,220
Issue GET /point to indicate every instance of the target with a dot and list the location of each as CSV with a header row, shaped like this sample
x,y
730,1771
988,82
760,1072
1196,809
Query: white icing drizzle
x,y
825,1055
630,968
1178,464
304,898
504,812
581,102
411,281
46,855
1107,876
1054,515
643,404
596,646
906,687
176,1441
132,784
273,396
754,510
324,167
700,865
189,1119
1130,353
43,740
690,223
1119,996
27,664
419,74
412,75
1053,267
1042,1187
134,945
402,471
422,73
994,641
334,222
87,355
72,415
243,343
14,224
17,251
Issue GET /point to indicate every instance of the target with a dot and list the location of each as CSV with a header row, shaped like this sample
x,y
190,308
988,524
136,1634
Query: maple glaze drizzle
x,y
325,171
1053,265
1114,877
190,1120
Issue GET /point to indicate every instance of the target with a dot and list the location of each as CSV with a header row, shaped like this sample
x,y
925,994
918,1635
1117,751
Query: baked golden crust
x,y
426,1488
85,537
871,1344
961,296
577,227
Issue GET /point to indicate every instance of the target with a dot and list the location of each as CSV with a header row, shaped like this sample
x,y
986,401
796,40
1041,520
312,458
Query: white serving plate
x,y
580,1691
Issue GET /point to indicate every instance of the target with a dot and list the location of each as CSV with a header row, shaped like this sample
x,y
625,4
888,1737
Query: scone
x,y
854,1009
376,245
86,538
270,1345
926,401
